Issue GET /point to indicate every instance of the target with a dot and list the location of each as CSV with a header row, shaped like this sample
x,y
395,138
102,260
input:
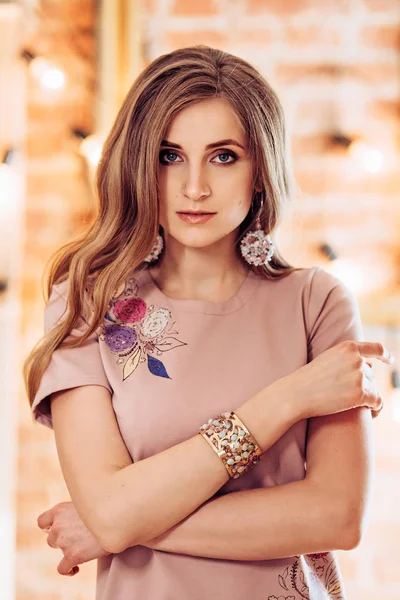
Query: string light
x,y
91,148
51,78
365,156
350,273
328,251
48,75
368,158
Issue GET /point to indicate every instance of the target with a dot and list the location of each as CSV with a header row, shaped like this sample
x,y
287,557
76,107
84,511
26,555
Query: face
x,y
204,166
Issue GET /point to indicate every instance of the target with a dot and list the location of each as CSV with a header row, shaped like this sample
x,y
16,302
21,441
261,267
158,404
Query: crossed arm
x,y
325,511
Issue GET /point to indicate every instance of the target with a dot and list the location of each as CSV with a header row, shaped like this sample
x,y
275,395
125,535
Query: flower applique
x,y
137,332
323,580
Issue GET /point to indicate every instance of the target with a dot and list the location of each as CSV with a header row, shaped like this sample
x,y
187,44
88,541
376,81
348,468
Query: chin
x,y
196,239
201,241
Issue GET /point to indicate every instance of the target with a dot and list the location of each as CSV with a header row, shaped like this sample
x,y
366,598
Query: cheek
x,y
240,188
245,203
168,187
240,198
237,211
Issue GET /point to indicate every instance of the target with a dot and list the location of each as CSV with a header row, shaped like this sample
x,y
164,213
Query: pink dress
x,y
171,365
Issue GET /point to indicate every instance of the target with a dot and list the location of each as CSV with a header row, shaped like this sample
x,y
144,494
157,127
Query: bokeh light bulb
x,y
48,75
368,158
53,79
91,148
349,272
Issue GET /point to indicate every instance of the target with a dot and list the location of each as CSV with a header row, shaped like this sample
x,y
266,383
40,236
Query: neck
x,y
213,273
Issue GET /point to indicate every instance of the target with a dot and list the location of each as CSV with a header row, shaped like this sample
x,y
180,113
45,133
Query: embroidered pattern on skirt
x,y
312,577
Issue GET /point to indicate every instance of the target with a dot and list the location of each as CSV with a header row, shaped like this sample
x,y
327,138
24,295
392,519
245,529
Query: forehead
x,y
206,121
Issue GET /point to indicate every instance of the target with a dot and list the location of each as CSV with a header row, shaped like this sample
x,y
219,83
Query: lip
x,y
195,212
195,217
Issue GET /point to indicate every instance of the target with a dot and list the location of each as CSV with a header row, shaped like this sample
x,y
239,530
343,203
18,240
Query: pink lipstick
x,y
195,217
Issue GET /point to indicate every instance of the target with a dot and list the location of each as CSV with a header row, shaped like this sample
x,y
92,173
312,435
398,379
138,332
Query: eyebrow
x,y
228,142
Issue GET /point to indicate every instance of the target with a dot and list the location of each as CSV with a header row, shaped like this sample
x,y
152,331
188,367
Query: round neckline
x,y
202,306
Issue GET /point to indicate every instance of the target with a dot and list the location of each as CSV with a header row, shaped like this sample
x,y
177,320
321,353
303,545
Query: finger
x,y
45,520
368,372
52,540
373,399
376,350
67,567
376,413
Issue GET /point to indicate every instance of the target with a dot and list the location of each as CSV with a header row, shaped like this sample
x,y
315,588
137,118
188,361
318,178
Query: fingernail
x,y
390,357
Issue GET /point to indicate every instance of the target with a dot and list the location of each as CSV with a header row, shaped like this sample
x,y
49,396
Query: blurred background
x,y
65,66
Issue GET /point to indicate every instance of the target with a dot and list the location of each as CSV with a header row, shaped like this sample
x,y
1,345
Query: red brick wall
x,y
335,64
298,45
58,197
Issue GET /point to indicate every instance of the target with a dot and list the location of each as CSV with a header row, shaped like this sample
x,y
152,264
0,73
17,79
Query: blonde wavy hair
x,y
125,225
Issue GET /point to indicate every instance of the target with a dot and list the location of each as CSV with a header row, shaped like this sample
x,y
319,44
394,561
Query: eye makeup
x,y
224,152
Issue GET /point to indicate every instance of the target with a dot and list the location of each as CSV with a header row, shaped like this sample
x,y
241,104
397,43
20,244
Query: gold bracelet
x,y
232,441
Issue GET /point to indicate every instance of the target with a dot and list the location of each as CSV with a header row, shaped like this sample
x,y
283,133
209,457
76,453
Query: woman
x,y
193,327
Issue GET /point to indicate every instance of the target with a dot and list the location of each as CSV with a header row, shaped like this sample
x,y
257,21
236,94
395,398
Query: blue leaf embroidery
x,y
156,367
109,317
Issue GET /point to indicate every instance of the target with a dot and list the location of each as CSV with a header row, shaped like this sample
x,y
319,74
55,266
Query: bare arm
x,y
325,511
124,504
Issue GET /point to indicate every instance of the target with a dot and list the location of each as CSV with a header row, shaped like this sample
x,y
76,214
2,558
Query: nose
x,y
195,187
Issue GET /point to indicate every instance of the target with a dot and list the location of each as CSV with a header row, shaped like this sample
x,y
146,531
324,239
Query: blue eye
x,y
228,154
168,157
168,153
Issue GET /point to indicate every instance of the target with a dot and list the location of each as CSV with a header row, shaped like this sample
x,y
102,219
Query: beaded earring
x,y
156,250
256,246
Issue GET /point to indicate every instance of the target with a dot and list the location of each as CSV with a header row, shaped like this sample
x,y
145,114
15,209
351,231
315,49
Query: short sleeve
x,y
68,367
333,314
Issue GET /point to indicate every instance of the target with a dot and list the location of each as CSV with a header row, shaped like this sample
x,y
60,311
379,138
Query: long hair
x,y
125,225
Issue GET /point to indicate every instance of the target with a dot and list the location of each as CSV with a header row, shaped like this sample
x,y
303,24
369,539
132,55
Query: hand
x,y
67,531
338,379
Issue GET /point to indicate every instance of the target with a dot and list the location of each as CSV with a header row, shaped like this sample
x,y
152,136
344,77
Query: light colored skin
x,y
199,262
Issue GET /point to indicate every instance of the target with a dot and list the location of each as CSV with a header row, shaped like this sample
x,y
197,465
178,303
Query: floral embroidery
x,y
323,579
318,555
130,310
293,579
136,331
324,575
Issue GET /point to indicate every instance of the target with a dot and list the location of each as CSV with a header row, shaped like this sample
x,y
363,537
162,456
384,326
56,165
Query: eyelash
x,y
227,152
